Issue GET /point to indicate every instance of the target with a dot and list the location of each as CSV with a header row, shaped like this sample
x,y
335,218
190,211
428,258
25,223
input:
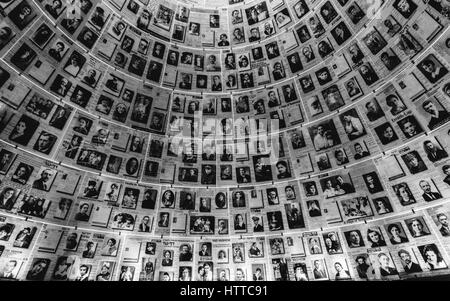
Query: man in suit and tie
x,y
43,182
438,117
289,94
8,269
257,227
204,250
185,254
434,153
428,195
319,273
409,265
84,273
144,226
444,227
5,160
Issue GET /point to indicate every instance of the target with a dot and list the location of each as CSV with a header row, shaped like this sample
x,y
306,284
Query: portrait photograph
x,y
332,243
6,160
87,37
368,74
320,271
341,33
386,133
434,112
275,220
404,194
114,85
22,173
325,48
42,36
22,14
238,250
355,13
417,226
328,12
324,135
356,207
405,7
62,85
262,168
45,142
432,257
410,126
282,18
9,268
337,185
164,18
382,205
202,225
301,9
23,130
62,208
432,68
60,117
414,162
23,57
38,269
179,33
374,41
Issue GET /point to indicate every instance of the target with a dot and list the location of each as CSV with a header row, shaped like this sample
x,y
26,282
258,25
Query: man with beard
x,y
409,265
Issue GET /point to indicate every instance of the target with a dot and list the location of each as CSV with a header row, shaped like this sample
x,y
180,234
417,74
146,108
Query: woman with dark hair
x,y
82,215
396,104
110,248
18,134
375,238
340,272
404,195
243,62
73,147
283,170
446,170
239,222
5,231
311,189
396,237
230,61
7,199
433,258
22,174
324,48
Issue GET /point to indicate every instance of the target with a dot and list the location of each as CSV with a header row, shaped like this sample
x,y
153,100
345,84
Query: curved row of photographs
x,y
227,152
197,27
407,178
132,53
196,70
400,247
